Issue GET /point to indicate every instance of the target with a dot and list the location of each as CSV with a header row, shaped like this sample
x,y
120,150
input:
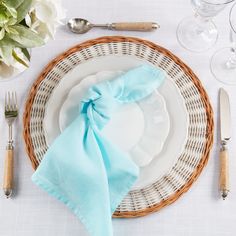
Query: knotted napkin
x,y
82,168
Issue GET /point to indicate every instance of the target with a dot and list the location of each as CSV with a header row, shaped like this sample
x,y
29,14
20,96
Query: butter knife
x,y
225,135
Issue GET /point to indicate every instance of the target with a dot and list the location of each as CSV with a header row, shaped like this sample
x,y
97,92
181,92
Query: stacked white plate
x,y
153,130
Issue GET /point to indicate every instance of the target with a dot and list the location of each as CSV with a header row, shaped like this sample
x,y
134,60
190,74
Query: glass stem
x,y
231,63
201,19
201,22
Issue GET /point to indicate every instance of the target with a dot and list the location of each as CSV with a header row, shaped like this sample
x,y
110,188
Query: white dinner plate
x,y
178,115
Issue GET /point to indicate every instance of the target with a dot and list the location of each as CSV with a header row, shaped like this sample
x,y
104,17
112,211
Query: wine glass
x,y
223,62
199,33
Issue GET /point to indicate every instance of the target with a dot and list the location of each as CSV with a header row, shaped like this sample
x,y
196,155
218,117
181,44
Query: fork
x,y
11,113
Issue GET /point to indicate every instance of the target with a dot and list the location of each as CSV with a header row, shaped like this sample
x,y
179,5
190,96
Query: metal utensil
x,y
81,26
11,113
225,134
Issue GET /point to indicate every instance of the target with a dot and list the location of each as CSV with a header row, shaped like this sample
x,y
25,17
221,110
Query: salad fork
x,y
11,113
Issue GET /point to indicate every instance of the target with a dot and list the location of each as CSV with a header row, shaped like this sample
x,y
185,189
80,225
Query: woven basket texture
x,y
169,187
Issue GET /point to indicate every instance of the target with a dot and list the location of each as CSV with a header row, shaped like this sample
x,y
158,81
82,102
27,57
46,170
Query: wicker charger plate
x,y
194,157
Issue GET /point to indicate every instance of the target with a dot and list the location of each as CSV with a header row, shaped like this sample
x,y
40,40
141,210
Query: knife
x,y
225,135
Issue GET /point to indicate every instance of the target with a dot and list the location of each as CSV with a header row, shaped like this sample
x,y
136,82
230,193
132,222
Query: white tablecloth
x,y
200,211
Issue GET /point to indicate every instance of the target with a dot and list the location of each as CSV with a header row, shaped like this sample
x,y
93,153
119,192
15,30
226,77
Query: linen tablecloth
x,y
198,212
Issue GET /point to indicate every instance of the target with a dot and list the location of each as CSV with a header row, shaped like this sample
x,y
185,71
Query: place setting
x,y
116,126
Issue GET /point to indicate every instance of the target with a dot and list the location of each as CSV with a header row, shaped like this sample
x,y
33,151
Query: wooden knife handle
x,y
8,173
224,173
135,26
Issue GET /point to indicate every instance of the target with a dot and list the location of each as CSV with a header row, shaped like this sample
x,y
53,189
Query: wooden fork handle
x,y
8,172
224,172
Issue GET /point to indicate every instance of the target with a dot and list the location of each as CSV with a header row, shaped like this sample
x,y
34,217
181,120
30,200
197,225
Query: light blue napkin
x,y
82,168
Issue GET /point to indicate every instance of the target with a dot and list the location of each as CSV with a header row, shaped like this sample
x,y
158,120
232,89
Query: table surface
x,y
198,212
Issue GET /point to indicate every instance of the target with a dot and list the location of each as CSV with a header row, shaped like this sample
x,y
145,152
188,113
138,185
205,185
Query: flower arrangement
x,y
25,24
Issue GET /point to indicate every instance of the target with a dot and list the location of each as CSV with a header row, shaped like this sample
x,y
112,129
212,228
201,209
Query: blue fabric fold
x,y
82,168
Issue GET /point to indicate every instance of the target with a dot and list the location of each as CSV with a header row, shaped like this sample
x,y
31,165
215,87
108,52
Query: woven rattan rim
x,y
184,67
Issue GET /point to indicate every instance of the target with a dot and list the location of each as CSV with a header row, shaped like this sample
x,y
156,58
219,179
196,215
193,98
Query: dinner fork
x,y
11,113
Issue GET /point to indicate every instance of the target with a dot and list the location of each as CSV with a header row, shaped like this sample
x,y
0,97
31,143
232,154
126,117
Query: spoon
x,y
81,26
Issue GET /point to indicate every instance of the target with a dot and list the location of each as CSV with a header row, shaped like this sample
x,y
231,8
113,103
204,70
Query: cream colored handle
x,y
135,26
224,173
8,173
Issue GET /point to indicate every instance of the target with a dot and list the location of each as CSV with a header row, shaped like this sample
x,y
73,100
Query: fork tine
x,y
5,101
11,101
15,100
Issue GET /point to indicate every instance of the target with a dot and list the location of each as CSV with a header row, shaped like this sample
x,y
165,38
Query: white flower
x,y
10,66
5,70
6,58
45,16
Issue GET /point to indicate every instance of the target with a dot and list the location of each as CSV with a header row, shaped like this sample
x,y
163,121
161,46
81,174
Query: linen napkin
x,y
82,168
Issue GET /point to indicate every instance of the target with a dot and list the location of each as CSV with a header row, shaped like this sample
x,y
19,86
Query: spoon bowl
x,y
79,25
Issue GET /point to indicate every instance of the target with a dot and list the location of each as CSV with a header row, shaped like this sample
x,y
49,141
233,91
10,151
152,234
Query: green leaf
x,y
2,33
11,30
10,9
3,18
6,41
14,3
17,58
12,21
6,53
23,9
26,37
26,53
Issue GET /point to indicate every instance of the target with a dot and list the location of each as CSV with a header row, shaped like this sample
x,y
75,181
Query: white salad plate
x,y
158,131
137,128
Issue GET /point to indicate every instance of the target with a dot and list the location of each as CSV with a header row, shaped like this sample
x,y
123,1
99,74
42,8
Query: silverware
x,y
225,135
11,113
81,26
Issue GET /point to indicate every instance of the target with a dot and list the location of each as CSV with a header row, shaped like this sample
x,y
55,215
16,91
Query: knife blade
x,y
225,134
225,119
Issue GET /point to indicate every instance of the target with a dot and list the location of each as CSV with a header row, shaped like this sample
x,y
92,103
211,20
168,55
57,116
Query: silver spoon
x,y
81,26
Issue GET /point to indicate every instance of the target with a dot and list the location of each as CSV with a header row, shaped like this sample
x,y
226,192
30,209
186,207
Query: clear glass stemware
x,y
198,33
223,62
